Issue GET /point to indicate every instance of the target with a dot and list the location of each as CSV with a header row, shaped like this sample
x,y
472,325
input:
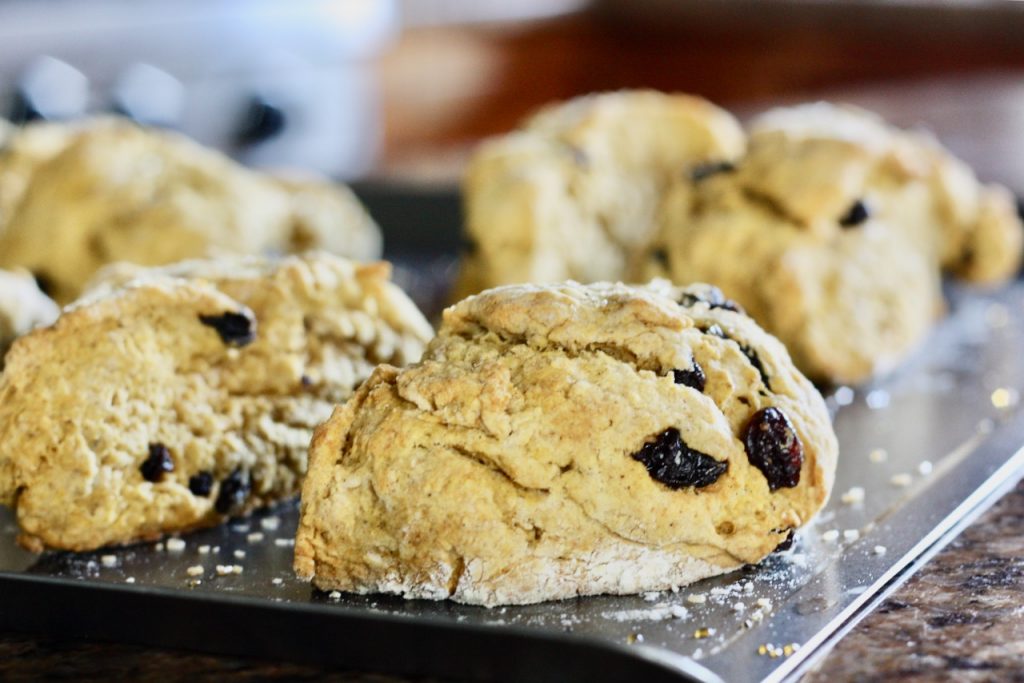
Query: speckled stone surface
x,y
960,618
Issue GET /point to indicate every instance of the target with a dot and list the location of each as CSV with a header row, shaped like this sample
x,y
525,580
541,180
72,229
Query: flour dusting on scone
x,y
562,440
171,398
574,193
22,307
832,230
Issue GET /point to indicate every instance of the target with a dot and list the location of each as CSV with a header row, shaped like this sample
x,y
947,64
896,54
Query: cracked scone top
x,y
832,231
573,194
168,399
108,190
562,440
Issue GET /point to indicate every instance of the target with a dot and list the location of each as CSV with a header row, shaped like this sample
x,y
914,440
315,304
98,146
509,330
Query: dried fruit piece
x,y
755,360
235,329
693,378
713,297
157,464
787,543
774,448
702,171
857,214
201,484
670,461
233,492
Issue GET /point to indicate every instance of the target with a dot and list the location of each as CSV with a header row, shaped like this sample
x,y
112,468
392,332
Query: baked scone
x,y
119,192
189,393
22,307
22,150
832,231
574,193
561,440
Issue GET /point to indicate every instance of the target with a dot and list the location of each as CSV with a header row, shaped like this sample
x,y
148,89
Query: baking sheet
x,y
930,447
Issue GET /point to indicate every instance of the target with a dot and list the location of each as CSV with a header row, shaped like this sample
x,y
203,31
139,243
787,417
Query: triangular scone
x,y
563,440
168,399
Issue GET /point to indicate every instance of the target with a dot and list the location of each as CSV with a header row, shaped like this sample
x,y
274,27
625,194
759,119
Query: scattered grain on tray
x,y
902,480
1005,397
334,595
880,550
239,554
277,581
696,599
830,536
284,542
270,523
851,535
130,579
878,455
204,550
195,570
109,560
854,496
704,632
175,545
255,537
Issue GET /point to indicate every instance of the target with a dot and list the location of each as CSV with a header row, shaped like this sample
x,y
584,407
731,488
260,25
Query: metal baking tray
x,y
931,447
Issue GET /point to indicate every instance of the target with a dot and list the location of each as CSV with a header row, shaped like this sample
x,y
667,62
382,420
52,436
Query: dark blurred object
x,y
273,83
447,86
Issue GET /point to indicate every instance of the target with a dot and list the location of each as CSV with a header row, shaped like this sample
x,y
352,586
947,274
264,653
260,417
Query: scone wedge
x,y
563,440
169,399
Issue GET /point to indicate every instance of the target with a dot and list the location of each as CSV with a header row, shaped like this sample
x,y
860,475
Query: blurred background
x,y
400,90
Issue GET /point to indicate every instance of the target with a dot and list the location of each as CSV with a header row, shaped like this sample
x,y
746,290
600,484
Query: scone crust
x,y
574,192
141,362
499,469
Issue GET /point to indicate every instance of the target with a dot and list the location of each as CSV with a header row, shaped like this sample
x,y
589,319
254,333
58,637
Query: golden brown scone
x,y
189,393
118,192
562,440
574,193
22,150
831,231
22,307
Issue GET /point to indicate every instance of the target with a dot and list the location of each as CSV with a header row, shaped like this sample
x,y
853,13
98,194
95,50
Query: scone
x,y
22,150
118,192
22,307
832,231
188,394
574,193
562,440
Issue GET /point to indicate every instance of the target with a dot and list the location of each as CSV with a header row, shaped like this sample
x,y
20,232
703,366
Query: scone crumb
x,y
696,598
239,554
854,496
739,607
175,545
902,480
228,569
195,570
878,455
1004,397
703,632
277,581
270,523
254,537
851,535
130,579
334,595
204,550
159,547
284,542
109,560
830,536
880,550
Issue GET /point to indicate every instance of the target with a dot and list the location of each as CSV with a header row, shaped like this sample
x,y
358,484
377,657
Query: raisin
x,y
235,329
713,297
693,378
468,245
233,492
306,381
774,448
660,256
755,360
157,464
857,214
670,461
44,282
706,170
201,484
787,543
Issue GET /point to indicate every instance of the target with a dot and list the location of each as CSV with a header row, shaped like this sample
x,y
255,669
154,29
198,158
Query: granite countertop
x,y
961,617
